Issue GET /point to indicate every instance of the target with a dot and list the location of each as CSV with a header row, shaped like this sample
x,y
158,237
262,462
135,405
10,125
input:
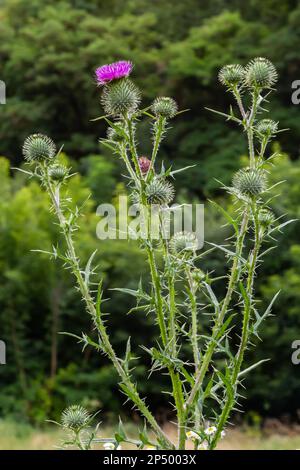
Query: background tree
x,y
48,53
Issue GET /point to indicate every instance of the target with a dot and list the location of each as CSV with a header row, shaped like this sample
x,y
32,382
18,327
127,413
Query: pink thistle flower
x,y
109,72
144,164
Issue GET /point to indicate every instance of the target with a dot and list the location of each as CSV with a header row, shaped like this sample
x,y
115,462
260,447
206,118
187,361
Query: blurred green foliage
x,y
48,53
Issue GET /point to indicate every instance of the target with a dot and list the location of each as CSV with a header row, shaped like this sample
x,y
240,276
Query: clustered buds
x,y
75,418
231,75
260,73
165,107
266,128
120,97
144,164
250,182
159,191
183,243
38,147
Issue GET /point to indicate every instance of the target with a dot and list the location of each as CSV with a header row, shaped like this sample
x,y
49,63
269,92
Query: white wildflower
x,y
192,435
108,445
210,431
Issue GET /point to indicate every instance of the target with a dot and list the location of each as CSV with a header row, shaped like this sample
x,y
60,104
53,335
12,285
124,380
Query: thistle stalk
x,y
159,127
233,279
134,155
194,336
246,315
235,269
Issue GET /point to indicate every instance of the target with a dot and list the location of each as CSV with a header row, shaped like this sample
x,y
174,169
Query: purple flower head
x,y
144,164
109,72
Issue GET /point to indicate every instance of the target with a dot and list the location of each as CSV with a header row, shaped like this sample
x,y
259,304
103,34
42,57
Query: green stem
x,y
248,120
179,401
235,272
194,338
249,128
244,338
125,158
172,310
160,125
176,383
134,155
234,277
157,294
238,98
157,287
168,335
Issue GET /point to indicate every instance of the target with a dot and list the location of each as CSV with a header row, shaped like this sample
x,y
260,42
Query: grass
x,y
15,436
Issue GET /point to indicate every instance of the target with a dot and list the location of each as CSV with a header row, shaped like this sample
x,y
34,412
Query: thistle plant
x,y
204,387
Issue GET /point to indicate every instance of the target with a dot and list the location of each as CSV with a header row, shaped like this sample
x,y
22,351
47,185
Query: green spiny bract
x,y
75,417
250,182
260,73
266,218
58,173
116,133
198,275
165,107
159,191
183,243
120,97
231,75
38,147
266,128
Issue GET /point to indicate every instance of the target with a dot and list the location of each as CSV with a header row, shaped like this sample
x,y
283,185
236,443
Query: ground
x,y
19,436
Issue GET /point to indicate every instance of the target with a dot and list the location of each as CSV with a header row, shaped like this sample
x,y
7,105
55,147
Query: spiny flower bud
x,y
231,75
75,417
249,182
121,96
38,147
266,218
58,173
260,73
266,127
159,191
183,243
198,275
165,107
144,164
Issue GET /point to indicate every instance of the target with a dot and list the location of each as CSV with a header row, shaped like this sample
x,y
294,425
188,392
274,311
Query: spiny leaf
x,y
279,227
181,169
250,368
227,216
229,117
228,252
212,296
88,270
260,319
